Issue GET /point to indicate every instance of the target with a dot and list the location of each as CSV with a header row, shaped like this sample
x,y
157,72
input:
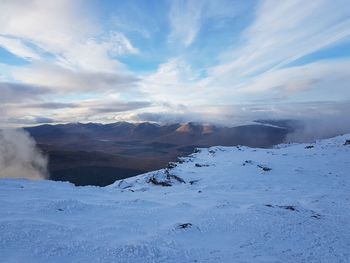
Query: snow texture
x,y
222,204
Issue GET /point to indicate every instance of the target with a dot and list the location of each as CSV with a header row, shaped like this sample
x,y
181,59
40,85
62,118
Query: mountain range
x,y
99,154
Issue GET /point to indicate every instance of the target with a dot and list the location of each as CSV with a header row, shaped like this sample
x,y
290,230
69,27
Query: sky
x,y
223,61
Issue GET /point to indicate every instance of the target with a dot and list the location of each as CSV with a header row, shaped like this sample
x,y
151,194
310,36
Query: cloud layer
x,y
214,61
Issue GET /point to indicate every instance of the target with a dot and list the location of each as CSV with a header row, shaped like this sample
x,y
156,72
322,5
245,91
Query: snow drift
x,y
223,204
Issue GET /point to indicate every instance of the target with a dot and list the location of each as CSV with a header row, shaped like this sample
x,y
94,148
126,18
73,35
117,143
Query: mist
x,y
20,157
320,128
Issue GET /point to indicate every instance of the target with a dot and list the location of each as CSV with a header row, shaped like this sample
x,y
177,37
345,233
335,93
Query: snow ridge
x,y
222,204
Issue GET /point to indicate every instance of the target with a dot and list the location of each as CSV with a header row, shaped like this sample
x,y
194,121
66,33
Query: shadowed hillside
x,y
99,154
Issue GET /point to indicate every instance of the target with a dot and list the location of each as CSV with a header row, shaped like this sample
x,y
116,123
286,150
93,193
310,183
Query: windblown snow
x,y
222,204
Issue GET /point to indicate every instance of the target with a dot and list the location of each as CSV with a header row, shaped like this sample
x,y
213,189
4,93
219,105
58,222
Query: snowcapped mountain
x,y
221,204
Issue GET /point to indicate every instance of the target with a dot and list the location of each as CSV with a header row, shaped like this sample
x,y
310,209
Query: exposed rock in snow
x,y
228,209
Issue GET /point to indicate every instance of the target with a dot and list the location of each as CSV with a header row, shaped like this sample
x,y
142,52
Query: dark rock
x,y
247,162
154,181
309,147
124,185
193,182
316,216
177,178
185,225
347,142
172,176
171,165
288,207
201,165
167,180
180,160
265,168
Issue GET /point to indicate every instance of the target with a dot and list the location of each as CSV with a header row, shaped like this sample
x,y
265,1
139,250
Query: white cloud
x,y
172,72
122,45
64,29
185,20
69,53
175,81
67,49
53,26
254,70
17,47
187,17
322,118
99,109
327,79
61,80
280,35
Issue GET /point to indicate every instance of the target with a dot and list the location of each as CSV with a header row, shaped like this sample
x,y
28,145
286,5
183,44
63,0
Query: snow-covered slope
x,y
223,204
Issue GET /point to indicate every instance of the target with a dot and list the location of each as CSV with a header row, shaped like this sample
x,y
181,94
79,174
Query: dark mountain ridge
x,y
99,154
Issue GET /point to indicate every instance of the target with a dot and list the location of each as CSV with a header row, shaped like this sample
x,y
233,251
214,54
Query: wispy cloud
x,y
61,32
17,92
102,61
187,17
61,79
17,47
185,20
323,79
98,110
121,45
279,36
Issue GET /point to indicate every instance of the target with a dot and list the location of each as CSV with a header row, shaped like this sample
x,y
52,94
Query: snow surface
x,y
237,204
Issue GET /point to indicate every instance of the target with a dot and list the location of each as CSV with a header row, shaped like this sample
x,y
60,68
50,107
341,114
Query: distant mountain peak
x,y
190,127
